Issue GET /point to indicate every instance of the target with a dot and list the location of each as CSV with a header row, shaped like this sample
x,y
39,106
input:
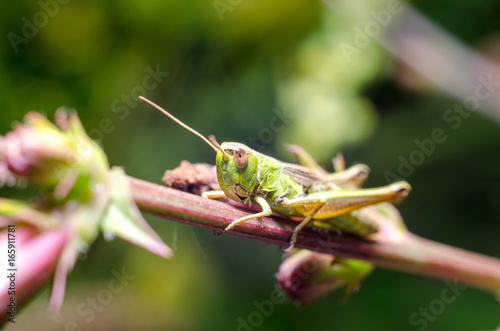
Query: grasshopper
x,y
308,191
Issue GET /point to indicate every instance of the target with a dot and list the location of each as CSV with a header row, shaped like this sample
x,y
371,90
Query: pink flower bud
x,y
307,275
32,266
36,150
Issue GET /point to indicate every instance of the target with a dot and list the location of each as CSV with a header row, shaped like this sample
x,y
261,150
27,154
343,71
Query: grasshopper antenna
x,y
216,147
214,141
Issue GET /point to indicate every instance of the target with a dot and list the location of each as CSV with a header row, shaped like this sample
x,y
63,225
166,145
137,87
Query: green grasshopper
x,y
247,176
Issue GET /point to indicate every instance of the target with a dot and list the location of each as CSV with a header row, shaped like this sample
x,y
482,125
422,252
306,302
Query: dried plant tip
x,y
192,178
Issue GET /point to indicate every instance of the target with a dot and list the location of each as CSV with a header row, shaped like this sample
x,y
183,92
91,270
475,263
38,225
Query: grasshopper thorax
x,y
237,174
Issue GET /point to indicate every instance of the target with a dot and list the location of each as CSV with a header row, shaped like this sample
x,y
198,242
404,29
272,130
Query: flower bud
x,y
36,257
35,150
307,275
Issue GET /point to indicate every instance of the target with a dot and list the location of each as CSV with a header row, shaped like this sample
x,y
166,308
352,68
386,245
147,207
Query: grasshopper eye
x,y
240,158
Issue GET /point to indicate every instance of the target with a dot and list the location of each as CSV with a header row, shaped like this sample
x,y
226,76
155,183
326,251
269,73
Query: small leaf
x,y
124,219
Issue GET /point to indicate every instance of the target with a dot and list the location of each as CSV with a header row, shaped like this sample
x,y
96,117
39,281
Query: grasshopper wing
x,y
303,175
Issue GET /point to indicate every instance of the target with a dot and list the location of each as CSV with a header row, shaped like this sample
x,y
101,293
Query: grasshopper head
x,y
237,171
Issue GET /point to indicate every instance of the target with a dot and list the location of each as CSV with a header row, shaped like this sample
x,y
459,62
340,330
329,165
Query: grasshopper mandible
x,y
247,176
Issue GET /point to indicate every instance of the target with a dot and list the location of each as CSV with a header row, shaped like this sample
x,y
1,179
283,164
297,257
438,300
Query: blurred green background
x,y
232,68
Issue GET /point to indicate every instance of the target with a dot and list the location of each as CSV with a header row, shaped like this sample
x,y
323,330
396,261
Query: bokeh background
x,y
264,73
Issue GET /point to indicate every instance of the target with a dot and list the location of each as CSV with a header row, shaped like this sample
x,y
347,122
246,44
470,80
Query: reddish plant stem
x,y
407,253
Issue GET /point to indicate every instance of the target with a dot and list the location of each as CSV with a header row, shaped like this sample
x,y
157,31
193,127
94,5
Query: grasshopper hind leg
x,y
299,227
352,222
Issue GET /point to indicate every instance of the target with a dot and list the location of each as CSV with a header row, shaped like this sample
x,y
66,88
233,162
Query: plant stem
x,y
407,252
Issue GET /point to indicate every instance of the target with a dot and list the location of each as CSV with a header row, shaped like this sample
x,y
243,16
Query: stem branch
x,y
408,252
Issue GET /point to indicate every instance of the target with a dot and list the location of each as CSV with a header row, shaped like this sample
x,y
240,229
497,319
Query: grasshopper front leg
x,y
214,194
266,209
